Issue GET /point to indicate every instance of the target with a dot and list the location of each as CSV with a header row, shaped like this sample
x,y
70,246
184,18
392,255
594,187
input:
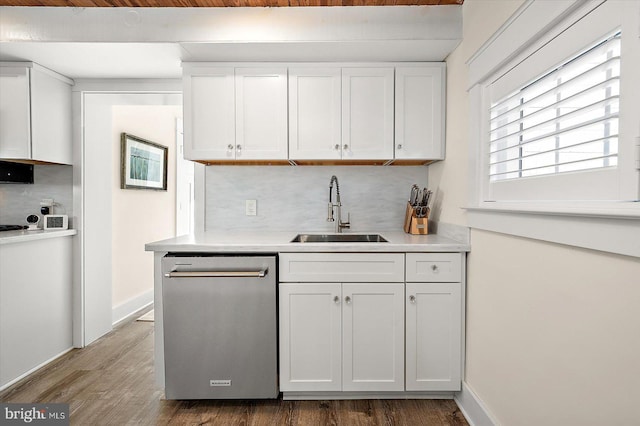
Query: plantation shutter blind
x,y
566,120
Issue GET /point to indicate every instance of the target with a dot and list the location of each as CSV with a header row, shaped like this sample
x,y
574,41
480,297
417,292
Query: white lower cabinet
x,y
341,337
433,336
352,333
373,337
310,337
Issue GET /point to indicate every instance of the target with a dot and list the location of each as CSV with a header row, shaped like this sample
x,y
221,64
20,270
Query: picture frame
x,y
143,164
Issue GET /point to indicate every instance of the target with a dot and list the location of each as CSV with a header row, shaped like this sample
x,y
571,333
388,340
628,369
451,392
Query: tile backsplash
x,y
17,201
295,198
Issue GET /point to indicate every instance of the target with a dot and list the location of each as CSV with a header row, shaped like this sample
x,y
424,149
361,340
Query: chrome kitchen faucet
x,y
340,225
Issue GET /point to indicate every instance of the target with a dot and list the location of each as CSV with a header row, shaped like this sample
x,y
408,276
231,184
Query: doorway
x,y
110,220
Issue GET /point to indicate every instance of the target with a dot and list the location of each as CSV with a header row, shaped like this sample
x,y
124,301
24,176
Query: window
x,y
554,126
564,121
558,124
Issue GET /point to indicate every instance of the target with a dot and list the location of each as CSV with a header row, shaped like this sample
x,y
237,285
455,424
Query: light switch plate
x,y
251,207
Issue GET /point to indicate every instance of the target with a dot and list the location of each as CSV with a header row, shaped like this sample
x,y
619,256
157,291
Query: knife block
x,y
413,224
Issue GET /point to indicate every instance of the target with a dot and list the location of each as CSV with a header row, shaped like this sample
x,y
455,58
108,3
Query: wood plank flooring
x,y
110,382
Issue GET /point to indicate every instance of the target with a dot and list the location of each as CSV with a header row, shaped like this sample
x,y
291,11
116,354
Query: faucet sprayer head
x,y
334,179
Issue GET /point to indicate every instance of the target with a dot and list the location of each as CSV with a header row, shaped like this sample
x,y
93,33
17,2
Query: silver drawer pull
x,y
217,274
336,299
347,300
434,268
412,299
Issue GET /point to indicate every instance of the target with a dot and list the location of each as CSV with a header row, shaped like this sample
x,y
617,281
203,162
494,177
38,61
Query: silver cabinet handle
x,y
347,300
337,147
337,300
345,146
412,299
218,274
434,268
238,147
229,147
399,146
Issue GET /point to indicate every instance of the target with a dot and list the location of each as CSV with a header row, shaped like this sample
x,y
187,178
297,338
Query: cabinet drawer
x,y
434,267
341,267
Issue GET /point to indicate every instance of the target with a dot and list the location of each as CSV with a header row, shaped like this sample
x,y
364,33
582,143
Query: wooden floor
x,y
110,382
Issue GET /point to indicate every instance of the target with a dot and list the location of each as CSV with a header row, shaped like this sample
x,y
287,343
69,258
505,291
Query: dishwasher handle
x,y
218,274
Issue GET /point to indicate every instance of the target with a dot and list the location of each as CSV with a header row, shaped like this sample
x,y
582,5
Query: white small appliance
x,y
56,221
33,220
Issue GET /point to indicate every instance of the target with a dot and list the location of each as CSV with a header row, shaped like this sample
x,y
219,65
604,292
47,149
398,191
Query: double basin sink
x,y
339,238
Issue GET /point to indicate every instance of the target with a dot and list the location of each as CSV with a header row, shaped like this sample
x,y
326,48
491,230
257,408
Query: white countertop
x,y
279,242
11,237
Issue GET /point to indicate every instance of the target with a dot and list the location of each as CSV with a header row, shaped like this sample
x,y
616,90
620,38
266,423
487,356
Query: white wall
x,y
140,216
553,332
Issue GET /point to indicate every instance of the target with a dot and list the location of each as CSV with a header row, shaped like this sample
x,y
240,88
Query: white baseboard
x,y
340,395
34,369
473,408
123,310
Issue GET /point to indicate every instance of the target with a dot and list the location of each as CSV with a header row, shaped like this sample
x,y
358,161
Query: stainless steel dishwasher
x,y
220,326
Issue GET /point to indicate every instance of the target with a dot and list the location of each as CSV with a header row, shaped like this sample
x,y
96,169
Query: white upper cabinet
x,y
209,113
261,113
15,121
367,113
315,113
35,114
420,109
235,114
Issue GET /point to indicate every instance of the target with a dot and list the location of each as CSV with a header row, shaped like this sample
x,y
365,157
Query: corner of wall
x,y
473,408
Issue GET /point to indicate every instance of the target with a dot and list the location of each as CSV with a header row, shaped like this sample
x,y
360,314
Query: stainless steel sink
x,y
339,238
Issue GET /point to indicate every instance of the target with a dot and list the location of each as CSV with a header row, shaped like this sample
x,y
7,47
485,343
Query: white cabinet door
x,y
209,113
433,336
50,118
373,337
419,119
261,113
310,332
315,113
15,124
367,113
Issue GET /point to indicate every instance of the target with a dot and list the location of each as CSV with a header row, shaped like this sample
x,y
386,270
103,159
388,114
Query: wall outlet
x,y
251,207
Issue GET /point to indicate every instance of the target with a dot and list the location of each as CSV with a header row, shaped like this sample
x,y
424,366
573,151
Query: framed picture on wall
x,y
143,164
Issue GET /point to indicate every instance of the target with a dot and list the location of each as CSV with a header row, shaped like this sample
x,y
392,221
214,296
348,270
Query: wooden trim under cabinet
x,y
315,162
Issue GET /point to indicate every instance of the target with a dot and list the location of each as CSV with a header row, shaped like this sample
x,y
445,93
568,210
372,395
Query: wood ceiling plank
x,y
220,3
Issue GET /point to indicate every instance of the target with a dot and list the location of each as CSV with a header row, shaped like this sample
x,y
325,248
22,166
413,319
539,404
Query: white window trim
x,y
606,226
